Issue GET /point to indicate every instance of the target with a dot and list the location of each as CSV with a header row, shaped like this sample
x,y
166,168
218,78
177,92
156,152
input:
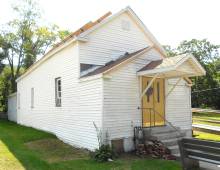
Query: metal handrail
x,y
162,118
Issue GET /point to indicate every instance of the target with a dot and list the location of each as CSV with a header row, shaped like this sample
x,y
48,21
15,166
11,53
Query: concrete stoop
x,y
167,135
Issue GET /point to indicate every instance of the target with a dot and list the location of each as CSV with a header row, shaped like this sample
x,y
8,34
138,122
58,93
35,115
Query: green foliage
x,y
5,86
103,154
208,55
105,151
23,39
63,34
170,52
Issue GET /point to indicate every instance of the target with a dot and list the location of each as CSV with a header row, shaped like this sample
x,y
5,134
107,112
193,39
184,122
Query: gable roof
x,y
82,29
80,35
151,65
73,36
108,66
174,66
137,20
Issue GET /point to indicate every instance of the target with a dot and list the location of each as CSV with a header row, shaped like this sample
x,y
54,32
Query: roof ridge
x,y
82,29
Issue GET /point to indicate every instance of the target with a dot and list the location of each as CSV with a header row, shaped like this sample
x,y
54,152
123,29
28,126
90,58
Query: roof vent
x,y
125,25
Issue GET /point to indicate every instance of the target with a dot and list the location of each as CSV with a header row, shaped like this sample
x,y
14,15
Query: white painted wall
x,y
122,97
12,107
111,39
178,104
81,101
110,103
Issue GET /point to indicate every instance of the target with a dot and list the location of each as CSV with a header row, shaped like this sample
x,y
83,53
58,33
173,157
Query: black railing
x,y
152,110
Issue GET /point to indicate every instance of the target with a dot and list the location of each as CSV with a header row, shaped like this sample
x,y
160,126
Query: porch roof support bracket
x,y
173,87
148,86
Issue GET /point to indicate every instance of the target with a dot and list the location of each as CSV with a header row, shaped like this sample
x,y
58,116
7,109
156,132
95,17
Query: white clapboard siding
x,y
178,104
110,38
12,107
122,97
110,102
81,101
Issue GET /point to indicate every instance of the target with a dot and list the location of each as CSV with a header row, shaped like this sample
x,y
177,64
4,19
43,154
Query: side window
x,y
58,92
18,100
32,97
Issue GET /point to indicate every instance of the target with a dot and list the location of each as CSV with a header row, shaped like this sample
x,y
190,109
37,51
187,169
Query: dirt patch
x,y
54,150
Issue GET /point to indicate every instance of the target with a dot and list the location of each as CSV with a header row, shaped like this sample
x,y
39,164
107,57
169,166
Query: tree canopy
x,y
204,89
25,38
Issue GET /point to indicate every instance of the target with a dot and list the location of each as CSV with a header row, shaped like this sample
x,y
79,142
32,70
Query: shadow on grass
x,y
29,147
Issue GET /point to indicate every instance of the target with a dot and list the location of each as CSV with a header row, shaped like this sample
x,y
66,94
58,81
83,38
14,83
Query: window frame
x,y
19,100
32,97
58,92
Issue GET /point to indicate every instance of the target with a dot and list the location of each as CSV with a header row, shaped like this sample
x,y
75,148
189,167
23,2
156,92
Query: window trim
x,y
19,100
32,97
58,93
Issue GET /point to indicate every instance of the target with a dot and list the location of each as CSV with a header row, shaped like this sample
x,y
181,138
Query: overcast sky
x,y
171,21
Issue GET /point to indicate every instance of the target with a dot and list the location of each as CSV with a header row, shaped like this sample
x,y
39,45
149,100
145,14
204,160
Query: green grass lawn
x,y
198,118
206,136
26,148
206,115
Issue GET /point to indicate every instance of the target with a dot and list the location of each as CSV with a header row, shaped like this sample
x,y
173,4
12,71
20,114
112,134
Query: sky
x,y
170,21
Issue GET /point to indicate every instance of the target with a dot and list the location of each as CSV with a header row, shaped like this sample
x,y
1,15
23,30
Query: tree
x,y
170,52
207,54
22,40
5,85
63,34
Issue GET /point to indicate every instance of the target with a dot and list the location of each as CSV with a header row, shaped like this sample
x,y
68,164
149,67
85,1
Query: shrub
x,y
103,154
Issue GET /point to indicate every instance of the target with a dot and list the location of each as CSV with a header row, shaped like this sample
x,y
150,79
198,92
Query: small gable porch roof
x,y
185,65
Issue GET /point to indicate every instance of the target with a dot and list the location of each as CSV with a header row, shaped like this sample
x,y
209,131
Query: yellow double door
x,y
153,102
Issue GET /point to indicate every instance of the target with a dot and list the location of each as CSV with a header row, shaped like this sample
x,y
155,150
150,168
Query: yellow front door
x,y
153,102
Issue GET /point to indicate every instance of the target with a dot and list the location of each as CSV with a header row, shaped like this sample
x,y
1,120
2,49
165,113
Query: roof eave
x,y
46,57
126,61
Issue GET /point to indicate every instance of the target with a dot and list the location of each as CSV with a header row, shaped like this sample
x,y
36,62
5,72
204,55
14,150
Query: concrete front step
x,y
177,155
161,129
170,135
174,149
167,135
170,142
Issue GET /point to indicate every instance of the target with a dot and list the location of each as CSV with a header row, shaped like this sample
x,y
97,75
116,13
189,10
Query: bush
x,y
103,154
